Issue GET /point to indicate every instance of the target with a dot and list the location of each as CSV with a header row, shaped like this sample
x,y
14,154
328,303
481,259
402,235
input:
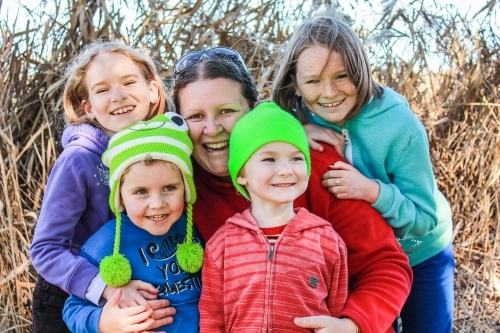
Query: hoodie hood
x,y
86,135
301,221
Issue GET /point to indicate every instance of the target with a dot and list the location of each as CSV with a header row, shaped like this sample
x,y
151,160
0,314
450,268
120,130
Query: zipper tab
x,y
271,252
348,146
345,133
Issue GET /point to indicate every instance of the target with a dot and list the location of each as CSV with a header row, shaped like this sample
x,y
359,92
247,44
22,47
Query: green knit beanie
x,y
162,138
265,124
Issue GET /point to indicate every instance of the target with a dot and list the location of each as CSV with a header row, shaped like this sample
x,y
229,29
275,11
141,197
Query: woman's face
x,y
211,109
322,82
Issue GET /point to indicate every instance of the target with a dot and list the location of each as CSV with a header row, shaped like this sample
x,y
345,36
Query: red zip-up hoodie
x,y
250,286
379,274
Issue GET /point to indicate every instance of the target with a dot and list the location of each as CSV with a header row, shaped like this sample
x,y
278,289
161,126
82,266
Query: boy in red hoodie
x,y
272,262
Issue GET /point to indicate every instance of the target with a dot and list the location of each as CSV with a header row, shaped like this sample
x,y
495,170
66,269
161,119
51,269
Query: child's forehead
x,y
277,146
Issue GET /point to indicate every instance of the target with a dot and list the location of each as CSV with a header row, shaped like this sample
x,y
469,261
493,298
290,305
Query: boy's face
x,y
275,174
153,195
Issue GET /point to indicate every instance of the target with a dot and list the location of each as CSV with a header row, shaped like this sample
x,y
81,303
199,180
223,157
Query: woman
x,y
213,90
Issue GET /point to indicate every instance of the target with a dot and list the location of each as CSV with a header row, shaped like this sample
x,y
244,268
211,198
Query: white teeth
x,y
123,110
329,105
217,145
283,185
157,217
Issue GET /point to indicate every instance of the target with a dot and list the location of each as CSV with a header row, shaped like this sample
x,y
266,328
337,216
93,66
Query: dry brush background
x,y
449,70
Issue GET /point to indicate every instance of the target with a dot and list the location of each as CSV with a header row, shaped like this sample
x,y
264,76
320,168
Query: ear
x,y
87,108
153,91
241,180
294,82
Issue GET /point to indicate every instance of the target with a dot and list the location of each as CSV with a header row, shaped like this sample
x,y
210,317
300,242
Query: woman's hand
x,y
325,324
114,319
346,182
134,293
317,133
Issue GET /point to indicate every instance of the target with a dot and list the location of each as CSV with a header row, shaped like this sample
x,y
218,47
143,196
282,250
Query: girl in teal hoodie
x,y
325,79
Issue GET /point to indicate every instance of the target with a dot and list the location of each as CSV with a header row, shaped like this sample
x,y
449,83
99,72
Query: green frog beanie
x,y
162,138
265,124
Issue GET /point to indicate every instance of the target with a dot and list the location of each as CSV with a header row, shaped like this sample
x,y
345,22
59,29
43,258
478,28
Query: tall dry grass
x,y
449,69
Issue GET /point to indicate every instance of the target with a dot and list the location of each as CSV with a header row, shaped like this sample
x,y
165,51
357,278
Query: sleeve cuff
x,y
95,290
384,200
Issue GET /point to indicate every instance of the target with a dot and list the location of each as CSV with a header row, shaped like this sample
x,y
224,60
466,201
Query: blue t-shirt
x,y
153,260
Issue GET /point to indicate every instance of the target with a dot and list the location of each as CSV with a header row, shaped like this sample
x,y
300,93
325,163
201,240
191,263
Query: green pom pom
x,y
115,270
190,256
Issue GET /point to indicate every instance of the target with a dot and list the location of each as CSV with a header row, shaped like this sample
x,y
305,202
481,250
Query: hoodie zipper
x,y
270,257
348,145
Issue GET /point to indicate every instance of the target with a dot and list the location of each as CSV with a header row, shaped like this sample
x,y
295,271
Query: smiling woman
x,y
379,274
210,117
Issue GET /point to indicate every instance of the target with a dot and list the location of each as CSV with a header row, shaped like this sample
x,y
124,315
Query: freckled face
x,y
211,109
153,196
321,79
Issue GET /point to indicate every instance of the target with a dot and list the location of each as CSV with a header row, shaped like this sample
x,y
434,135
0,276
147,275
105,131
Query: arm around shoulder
x,y
62,209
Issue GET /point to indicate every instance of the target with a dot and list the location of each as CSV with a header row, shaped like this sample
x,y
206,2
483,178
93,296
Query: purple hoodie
x,y
75,206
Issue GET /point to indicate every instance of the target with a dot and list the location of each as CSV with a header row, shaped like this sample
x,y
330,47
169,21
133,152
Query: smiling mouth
x,y
331,105
157,217
216,146
284,185
123,110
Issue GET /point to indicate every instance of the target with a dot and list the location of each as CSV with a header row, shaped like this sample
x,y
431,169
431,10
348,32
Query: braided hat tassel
x,y
189,254
115,269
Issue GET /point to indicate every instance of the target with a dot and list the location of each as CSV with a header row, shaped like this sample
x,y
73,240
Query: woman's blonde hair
x,y
325,29
75,90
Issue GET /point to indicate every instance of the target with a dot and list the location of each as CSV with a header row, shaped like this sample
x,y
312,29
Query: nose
x,y
156,202
285,169
212,127
118,94
330,89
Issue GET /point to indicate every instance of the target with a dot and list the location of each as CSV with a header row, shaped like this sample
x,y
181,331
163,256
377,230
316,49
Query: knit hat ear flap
x,y
162,138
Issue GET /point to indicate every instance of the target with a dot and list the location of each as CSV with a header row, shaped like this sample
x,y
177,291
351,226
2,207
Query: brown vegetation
x,y
449,71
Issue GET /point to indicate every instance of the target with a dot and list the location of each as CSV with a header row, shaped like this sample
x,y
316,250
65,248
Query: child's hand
x,y
134,293
317,133
116,320
325,324
346,182
162,312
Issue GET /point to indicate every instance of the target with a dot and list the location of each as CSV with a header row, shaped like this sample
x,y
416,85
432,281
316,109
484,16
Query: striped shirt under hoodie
x,y
250,287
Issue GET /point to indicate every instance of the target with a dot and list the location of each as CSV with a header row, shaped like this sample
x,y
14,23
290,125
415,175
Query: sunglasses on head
x,y
190,59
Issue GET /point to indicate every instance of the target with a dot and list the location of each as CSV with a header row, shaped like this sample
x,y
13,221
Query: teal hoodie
x,y
387,143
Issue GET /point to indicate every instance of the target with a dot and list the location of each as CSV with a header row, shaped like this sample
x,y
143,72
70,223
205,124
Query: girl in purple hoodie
x,y
109,86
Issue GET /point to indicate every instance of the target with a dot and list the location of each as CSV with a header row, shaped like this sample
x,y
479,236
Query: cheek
x,y
229,123
177,204
195,130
